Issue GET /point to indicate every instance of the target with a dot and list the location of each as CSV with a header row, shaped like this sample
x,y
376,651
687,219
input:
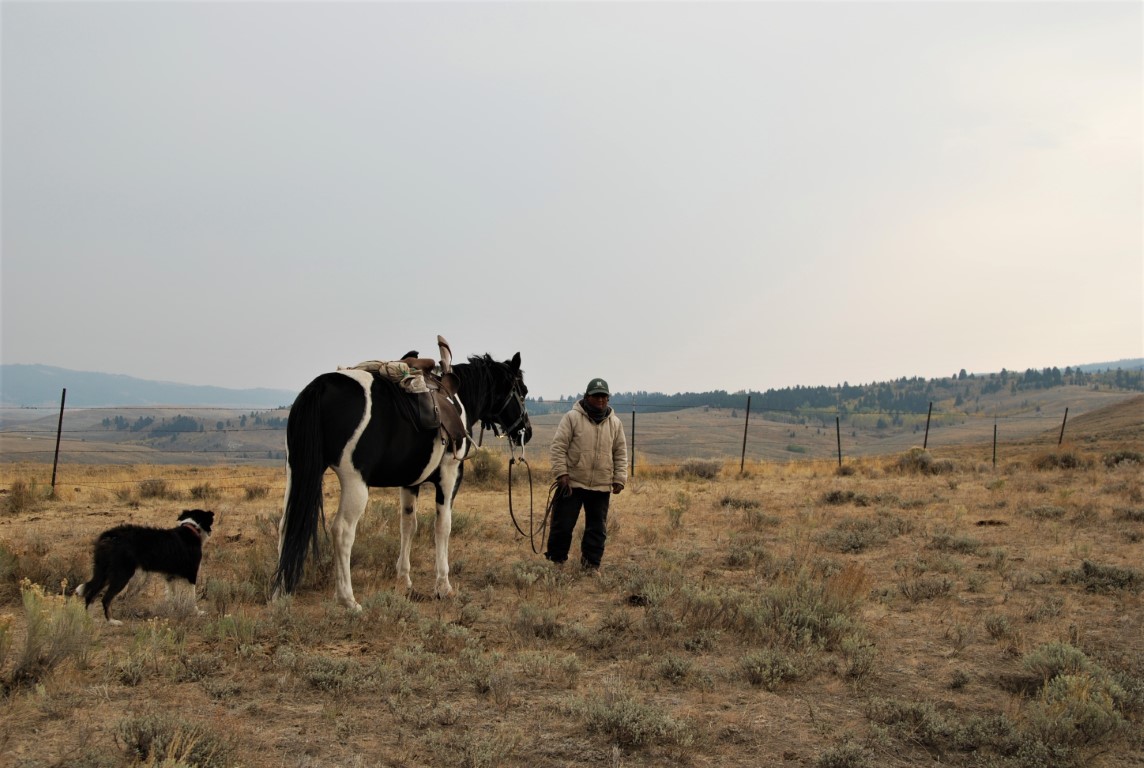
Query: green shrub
x,y
944,542
768,668
536,622
632,724
998,626
170,740
846,755
1046,512
1052,659
674,668
853,535
1077,710
485,468
912,721
1105,578
733,502
925,588
200,666
327,674
58,629
1120,457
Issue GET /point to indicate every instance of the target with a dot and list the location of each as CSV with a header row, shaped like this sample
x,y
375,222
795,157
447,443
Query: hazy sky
x,y
676,196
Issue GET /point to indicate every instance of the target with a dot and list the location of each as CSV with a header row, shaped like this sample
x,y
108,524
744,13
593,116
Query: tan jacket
x,y
592,455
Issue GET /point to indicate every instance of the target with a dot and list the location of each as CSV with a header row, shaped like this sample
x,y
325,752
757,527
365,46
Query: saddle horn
x,y
446,355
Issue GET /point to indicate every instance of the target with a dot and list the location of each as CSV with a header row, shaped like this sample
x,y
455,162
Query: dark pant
x,y
565,513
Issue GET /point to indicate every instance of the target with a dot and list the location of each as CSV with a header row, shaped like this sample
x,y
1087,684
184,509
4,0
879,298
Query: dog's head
x,y
200,519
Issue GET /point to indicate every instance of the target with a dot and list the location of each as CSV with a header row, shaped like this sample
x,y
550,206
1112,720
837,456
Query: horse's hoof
x,y
115,622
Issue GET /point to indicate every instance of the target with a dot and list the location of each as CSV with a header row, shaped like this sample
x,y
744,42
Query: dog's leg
x,y
117,581
182,595
193,599
90,590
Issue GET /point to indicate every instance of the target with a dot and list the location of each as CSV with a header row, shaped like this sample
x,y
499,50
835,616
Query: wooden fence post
x,y
1062,437
632,453
59,429
925,440
995,445
746,421
838,432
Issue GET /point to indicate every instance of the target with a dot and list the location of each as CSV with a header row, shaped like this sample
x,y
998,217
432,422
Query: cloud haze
x,y
674,196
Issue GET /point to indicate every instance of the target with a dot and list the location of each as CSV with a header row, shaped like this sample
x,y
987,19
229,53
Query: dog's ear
x,y
208,518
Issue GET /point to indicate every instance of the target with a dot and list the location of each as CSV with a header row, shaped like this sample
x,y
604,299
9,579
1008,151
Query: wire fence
x,y
662,436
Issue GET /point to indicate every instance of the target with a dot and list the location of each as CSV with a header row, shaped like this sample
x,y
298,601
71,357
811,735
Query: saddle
x,y
432,395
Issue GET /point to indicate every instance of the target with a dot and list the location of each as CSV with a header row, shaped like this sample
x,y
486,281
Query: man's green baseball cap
x,y
598,387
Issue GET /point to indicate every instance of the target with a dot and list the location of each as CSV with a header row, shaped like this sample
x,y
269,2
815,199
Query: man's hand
x,y
565,481
616,487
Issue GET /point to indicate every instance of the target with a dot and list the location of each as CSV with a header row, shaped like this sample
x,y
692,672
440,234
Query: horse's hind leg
x,y
408,528
343,529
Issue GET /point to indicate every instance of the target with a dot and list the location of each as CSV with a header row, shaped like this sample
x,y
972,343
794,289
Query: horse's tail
x,y
303,509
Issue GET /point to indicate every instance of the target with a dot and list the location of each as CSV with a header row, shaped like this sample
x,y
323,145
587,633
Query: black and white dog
x,y
125,550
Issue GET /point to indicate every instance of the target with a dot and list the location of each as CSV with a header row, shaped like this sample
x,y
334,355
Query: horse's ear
x,y
516,362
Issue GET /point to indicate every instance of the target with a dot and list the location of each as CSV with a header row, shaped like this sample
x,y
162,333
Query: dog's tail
x,y
303,508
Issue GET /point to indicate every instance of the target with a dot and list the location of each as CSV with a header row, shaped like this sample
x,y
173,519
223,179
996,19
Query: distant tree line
x,y
904,395
181,423
797,404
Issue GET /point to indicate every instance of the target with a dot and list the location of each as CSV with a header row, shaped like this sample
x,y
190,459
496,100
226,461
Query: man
x,y
590,461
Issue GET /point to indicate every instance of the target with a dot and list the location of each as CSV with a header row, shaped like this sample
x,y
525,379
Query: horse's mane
x,y
491,373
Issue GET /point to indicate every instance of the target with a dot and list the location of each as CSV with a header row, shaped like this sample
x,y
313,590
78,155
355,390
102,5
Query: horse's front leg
x,y
343,530
408,528
443,527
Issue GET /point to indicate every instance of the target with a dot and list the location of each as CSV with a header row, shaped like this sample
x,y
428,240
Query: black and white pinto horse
x,y
358,423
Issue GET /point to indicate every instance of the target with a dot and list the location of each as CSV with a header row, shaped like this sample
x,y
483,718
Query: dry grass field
x,y
911,608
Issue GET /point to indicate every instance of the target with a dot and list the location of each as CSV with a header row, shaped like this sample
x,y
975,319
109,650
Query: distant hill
x,y
37,386
1133,364
41,385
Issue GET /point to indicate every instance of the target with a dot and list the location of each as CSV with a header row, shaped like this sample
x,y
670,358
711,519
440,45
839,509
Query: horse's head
x,y
509,415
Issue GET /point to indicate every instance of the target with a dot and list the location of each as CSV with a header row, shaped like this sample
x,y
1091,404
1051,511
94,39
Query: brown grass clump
x,y
921,461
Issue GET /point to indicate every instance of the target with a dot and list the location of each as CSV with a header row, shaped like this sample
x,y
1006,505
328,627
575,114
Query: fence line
x,y
786,436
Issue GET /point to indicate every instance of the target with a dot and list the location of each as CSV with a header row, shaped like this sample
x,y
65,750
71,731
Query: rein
x,y
533,530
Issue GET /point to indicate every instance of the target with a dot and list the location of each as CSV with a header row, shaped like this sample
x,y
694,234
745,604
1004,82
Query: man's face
x,y
598,400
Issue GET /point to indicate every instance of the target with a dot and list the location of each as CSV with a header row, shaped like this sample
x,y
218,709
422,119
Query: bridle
x,y
517,426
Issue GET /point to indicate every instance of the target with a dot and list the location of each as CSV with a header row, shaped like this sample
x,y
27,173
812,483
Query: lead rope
x,y
532,530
